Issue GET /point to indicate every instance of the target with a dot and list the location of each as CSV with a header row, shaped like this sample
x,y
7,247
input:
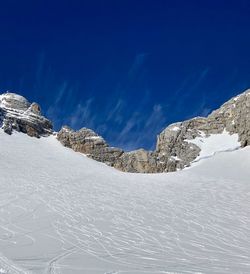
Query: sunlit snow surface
x,y
61,212
215,143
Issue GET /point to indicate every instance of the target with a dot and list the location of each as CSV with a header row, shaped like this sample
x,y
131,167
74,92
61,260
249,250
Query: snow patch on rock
x,y
175,128
214,143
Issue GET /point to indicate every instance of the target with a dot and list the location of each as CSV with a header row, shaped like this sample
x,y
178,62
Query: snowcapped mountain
x,y
62,212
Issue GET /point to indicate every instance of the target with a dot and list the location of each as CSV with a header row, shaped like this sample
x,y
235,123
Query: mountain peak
x,y
17,113
14,101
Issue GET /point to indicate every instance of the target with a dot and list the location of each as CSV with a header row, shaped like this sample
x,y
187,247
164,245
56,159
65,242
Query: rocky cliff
x,y
88,142
233,116
175,149
16,113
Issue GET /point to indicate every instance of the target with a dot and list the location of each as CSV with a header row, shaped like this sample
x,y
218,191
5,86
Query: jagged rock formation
x,y
233,116
173,151
88,142
144,161
16,113
94,146
137,161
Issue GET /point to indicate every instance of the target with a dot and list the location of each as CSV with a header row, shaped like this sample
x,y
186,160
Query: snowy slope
x,y
215,143
61,212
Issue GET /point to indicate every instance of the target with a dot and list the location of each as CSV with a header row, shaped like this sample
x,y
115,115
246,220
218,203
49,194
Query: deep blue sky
x,y
125,68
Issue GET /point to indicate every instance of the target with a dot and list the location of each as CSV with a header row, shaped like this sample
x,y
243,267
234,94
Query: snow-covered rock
x,y
232,117
215,143
17,113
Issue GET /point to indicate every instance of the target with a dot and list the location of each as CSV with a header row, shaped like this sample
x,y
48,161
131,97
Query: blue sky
x,y
126,69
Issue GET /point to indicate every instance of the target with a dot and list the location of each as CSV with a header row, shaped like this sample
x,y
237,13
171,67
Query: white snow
x,y
61,212
175,128
215,143
10,96
94,138
176,158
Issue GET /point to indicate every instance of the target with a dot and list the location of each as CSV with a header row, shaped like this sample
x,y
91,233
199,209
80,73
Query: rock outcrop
x,y
233,116
173,149
88,142
144,161
16,113
94,146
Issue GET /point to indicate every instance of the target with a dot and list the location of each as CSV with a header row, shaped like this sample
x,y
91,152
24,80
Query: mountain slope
x,y
61,212
174,149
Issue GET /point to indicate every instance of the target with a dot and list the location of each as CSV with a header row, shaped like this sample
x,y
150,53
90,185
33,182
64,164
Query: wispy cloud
x,y
137,65
188,88
115,111
61,101
141,127
201,109
125,122
82,115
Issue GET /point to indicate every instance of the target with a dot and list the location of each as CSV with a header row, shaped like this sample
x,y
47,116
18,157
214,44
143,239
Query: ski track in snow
x,y
62,213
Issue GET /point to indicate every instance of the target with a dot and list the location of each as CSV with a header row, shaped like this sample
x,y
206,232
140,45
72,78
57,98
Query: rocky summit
x,y
16,113
175,148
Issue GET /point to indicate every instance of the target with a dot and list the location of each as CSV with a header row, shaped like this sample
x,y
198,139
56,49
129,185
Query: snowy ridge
x,y
61,212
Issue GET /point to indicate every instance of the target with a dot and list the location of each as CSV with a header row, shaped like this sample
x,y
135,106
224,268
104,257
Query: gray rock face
x,y
171,142
144,161
85,140
173,151
137,161
88,142
233,116
94,146
16,113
